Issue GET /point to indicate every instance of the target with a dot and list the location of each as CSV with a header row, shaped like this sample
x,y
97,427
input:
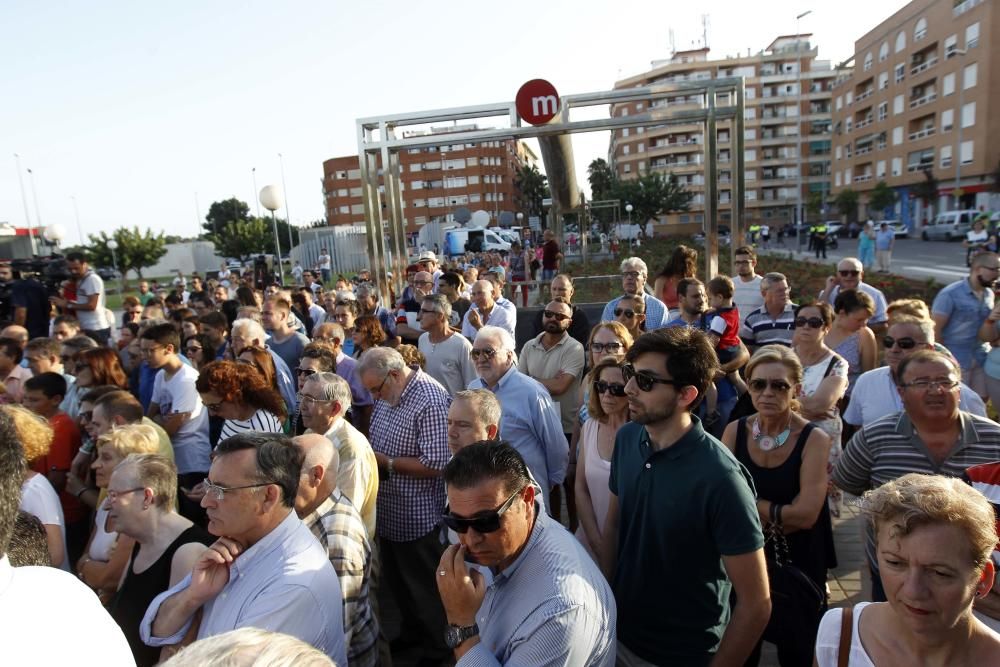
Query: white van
x,y
458,241
949,226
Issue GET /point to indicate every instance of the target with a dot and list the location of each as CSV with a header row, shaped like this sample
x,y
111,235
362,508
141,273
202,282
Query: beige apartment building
x,y
786,135
924,96
435,180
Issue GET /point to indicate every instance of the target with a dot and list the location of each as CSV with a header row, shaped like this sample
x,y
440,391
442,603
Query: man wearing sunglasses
x,y
634,273
850,275
579,327
682,528
266,569
532,613
875,395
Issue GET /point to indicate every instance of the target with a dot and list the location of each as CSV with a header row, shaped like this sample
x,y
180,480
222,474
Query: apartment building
x,y
436,180
786,134
924,97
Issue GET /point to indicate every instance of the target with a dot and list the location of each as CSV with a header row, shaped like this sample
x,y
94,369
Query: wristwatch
x,y
454,635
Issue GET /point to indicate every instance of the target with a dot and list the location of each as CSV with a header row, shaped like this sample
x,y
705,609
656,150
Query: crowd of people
x,y
242,467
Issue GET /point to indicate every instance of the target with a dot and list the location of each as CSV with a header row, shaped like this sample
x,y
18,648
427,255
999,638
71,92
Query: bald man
x,y
484,310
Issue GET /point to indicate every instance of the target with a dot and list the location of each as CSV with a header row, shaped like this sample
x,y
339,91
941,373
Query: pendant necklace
x,y
770,442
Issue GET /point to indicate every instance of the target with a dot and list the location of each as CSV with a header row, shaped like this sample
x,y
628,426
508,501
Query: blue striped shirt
x,y
657,313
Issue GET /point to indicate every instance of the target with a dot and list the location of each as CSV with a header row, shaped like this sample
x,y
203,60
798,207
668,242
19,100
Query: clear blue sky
x,y
133,107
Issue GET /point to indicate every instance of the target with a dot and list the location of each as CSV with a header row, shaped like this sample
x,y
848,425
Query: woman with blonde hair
x,y
934,536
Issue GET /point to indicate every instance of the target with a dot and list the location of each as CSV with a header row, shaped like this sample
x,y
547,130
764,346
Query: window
x,y
880,169
624,131
969,76
969,115
947,119
883,111
624,112
628,169
897,166
471,161
416,185
900,72
966,152
950,46
945,156
897,136
920,30
883,80
641,148
868,61
840,103
847,175
837,152
972,36
415,167
342,192
883,52
625,149
849,97
357,208
475,199
900,41
344,209
948,84
897,105
473,180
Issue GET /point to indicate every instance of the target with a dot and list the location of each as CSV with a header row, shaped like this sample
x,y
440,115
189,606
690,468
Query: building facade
x,y
786,133
435,181
924,98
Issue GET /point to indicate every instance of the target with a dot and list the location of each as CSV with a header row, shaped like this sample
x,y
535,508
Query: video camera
x,y
51,271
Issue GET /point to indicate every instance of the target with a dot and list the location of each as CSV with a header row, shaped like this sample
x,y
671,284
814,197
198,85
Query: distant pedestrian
x,y
884,241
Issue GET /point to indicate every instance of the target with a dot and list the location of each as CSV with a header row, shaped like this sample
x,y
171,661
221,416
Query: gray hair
x,y
381,359
853,261
334,387
505,342
336,331
249,647
485,402
926,326
634,263
346,295
249,329
79,343
440,303
772,278
323,453
366,289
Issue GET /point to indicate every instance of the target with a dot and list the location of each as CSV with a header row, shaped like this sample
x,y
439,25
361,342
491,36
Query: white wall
x,y
188,257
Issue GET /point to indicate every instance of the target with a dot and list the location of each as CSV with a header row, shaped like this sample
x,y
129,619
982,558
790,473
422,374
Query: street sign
x,y
537,102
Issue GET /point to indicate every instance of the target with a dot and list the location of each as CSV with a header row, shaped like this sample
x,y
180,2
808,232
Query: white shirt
x,y
448,362
178,394
828,639
91,320
50,617
747,297
39,498
324,262
874,396
499,317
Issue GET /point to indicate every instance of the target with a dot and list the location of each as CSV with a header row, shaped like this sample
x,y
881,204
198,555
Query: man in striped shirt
x,y
931,435
774,322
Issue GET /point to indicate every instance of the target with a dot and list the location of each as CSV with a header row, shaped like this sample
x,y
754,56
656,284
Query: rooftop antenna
x,y
673,43
704,30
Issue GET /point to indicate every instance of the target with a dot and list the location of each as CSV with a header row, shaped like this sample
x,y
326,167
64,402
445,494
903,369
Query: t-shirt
x,y
550,253
448,362
747,297
407,314
178,394
458,309
725,323
39,498
66,443
91,320
681,509
146,298
30,295
290,350
261,421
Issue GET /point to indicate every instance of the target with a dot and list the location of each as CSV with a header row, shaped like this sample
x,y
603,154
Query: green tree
x,y
136,250
602,179
533,186
814,205
243,238
651,195
846,202
221,213
927,191
881,198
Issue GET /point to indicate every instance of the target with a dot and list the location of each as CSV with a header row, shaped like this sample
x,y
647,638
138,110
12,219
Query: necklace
x,y
770,442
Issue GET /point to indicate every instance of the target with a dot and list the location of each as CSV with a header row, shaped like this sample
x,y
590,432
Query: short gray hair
x,y
381,359
485,403
505,341
249,647
772,278
926,326
250,329
635,263
334,387
440,303
80,343
366,289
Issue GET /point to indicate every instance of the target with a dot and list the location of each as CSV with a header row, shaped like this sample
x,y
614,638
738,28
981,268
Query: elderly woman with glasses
x,y
934,537
607,407
787,458
239,394
163,545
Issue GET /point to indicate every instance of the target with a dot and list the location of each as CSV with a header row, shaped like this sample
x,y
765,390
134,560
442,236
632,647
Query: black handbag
x,y
797,603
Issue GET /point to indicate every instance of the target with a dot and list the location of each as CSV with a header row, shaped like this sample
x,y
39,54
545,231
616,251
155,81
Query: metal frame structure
x,y
378,141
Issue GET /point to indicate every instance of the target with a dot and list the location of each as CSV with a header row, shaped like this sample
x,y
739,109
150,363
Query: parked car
x,y
107,274
898,227
949,226
835,228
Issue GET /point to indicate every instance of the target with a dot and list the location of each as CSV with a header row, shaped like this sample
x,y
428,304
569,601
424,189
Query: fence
x,y
346,243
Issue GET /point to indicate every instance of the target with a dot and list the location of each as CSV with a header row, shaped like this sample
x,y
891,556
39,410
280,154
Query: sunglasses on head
x,y
813,322
645,380
906,343
488,522
849,272
777,386
558,317
627,312
615,388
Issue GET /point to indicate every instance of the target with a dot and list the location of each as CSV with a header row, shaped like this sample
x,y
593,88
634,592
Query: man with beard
x,y
682,530
959,310
747,296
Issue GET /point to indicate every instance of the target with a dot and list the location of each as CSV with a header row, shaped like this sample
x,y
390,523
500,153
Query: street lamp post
x,y
112,246
288,214
960,82
24,200
54,234
272,199
628,210
798,134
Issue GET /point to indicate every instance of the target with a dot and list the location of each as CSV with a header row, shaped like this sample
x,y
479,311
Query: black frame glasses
x,y
645,381
482,524
614,388
904,343
758,385
813,322
611,347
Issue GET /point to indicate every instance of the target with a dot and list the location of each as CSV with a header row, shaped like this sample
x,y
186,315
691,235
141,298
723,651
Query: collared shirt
x,y
28,595
357,476
759,328
880,316
657,314
889,448
449,361
417,427
14,385
530,423
550,607
283,583
965,312
505,318
875,395
347,368
338,527
565,357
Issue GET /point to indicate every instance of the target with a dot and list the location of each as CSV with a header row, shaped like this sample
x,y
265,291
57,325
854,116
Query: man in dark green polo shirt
x,y
682,517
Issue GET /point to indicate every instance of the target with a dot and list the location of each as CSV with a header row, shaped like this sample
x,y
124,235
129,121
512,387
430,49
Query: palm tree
x,y
927,191
533,186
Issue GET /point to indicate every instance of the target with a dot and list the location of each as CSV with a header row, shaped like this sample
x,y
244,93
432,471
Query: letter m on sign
x,y
544,105
537,101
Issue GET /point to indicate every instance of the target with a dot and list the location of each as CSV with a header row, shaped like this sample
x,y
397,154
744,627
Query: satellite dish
x,y
480,218
506,219
462,215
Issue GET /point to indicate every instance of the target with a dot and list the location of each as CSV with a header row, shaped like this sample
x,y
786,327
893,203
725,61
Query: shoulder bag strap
x,y
846,630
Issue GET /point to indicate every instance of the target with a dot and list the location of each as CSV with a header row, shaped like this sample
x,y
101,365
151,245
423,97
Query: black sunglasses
x,y
304,371
846,272
777,386
482,524
628,312
903,343
644,380
558,317
813,322
615,388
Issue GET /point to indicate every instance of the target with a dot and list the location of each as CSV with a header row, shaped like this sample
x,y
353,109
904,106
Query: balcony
x,y
962,7
922,134
919,166
862,123
863,178
924,66
863,151
921,101
865,95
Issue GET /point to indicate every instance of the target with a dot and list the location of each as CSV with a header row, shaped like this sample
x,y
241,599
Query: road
x,y
912,258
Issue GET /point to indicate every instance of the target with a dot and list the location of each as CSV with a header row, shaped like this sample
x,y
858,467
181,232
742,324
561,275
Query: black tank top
x,y
138,591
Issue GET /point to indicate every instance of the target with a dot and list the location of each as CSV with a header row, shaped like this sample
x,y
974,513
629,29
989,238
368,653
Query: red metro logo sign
x,y
537,102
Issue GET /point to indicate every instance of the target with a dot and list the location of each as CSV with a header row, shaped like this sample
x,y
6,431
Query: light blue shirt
x,y
550,607
965,312
656,311
883,240
283,583
530,422
880,316
287,386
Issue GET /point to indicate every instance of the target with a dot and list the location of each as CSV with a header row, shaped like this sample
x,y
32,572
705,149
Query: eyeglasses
x,y
606,347
558,317
218,493
845,273
304,371
194,348
615,388
486,353
482,524
627,312
306,399
630,274
904,343
927,385
644,380
212,407
813,322
777,386
115,495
